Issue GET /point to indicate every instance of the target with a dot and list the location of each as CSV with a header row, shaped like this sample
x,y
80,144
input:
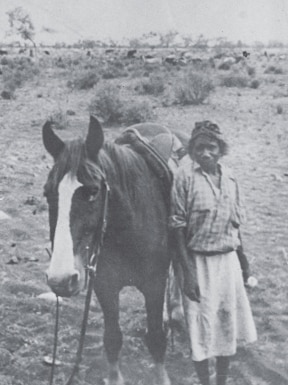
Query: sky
x,y
73,20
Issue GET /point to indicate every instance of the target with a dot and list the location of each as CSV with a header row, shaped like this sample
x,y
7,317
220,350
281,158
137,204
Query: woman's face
x,y
206,152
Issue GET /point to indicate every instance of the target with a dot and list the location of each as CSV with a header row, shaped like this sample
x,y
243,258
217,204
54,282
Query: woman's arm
x,y
187,262
243,260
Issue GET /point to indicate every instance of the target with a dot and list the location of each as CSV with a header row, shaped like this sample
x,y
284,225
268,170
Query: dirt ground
x,y
258,137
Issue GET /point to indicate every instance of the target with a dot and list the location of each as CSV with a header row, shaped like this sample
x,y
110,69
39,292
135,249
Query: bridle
x,y
92,260
90,274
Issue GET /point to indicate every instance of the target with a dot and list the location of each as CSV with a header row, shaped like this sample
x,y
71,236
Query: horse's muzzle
x,y
67,285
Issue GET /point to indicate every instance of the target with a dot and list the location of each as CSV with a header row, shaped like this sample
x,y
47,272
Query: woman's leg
x,y
202,370
222,366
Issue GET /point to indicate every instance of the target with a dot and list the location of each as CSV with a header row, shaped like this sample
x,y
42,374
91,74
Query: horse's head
x,y
76,190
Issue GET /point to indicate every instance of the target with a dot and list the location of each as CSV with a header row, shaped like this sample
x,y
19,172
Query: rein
x,y
90,274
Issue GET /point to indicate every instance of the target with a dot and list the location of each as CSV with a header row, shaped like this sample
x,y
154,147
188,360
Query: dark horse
x,y
135,247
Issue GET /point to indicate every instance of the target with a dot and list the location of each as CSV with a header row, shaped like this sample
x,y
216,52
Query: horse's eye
x,y
92,193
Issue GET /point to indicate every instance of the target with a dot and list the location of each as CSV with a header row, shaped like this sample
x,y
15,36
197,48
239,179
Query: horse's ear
x,y
94,139
52,142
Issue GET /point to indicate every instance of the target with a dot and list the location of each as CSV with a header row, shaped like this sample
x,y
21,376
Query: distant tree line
x,y
21,25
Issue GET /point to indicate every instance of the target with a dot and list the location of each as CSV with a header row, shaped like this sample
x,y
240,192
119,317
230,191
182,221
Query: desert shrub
x,y
255,84
251,71
235,80
135,69
76,62
137,112
16,72
193,88
224,66
114,70
153,85
63,62
107,103
150,68
273,70
59,119
135,72
84,80
118,64
7,94
203,65
279,109
5,61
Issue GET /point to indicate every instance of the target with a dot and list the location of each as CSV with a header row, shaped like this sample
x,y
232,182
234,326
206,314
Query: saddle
x,y
155,144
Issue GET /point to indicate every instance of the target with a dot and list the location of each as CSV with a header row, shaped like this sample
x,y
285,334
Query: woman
x,y
206,215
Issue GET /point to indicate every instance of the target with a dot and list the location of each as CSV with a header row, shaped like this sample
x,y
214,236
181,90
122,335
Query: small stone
x,y
49,361
252,282
49,296
33,259
277,178
283,254
5,358
13,260
4,216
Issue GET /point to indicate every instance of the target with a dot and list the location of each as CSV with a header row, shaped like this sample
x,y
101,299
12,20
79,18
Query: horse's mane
x,y
119,163
122,165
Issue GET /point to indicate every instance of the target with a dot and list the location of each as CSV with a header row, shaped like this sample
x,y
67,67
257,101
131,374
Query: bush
x,y
251,71
84,80
255,84
107,103
16,72
7,94
154,85
114,70
193,88
273,70
235,81
59,119
137,112
224,66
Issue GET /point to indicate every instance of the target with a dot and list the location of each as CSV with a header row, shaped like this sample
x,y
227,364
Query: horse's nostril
x,y
73,282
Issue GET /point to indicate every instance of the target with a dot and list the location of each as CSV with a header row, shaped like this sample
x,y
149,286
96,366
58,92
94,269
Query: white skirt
x,y
223,318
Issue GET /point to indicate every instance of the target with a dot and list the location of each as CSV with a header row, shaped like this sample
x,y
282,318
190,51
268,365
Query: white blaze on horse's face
x,y
62,274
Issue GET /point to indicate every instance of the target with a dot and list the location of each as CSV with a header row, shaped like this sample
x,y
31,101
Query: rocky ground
x,y
257,131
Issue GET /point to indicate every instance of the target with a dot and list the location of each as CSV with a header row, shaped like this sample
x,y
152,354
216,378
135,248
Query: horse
x,y
88,175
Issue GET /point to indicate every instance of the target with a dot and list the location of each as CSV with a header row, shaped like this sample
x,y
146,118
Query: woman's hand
x,y
191,288
189,269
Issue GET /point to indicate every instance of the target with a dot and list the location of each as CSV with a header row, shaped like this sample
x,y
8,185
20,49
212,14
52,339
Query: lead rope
x,y
91,273
169,309
55,341
82,334
83,329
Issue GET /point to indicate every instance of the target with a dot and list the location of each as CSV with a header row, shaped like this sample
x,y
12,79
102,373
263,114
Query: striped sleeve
x,y
241,213
178,213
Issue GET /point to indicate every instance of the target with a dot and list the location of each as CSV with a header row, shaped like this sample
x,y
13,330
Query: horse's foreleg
x,y
109,301
156,337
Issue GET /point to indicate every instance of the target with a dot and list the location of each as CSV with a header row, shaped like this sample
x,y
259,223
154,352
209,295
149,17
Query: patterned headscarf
x,y
212,130
206,128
